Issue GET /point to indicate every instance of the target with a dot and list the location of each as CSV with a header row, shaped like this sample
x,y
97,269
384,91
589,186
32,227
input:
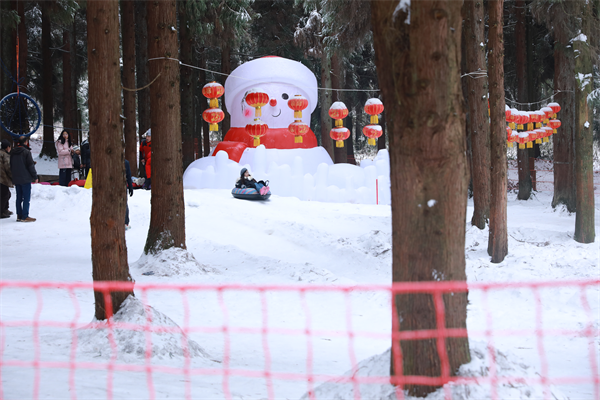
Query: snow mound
x,y
171,262
379,366
131,344
317,275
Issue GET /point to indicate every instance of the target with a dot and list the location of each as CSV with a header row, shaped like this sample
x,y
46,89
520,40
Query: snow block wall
x,y
308,174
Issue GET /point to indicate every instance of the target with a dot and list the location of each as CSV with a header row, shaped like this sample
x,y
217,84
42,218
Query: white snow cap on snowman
x,y
281,79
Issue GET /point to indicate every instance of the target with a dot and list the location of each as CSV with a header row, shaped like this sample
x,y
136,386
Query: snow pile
x,y
171,262
131,344
308,174
507,365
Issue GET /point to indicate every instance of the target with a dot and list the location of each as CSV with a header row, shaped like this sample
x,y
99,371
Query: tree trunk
x,y
418,67
525,184
48,148
381,140
564,87
8,39
349,143
128,37
187,86
167,216
107,221
340,154
142,72
69,119
584,161
326,97
498,238
226,69
479,126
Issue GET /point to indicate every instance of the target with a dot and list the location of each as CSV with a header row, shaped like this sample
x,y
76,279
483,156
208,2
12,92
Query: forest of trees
x,y
101,69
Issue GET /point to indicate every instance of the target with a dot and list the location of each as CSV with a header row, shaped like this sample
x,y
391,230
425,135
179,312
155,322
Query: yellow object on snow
x,y
88,180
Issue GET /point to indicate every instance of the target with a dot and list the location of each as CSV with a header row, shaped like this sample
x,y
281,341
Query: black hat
x,y
5,144
243,172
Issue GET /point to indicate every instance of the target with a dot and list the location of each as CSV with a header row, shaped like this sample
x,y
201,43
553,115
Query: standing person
x,y
130,190
65,162
23,174
77,161
146,157
5,179
86,160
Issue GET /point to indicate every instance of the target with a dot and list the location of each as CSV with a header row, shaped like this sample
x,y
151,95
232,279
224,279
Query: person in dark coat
x,y
23,174
86,159
76,156
130,190
245,180
5,179
146,158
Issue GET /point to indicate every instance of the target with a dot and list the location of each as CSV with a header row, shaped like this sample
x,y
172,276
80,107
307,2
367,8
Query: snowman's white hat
x,y
272,69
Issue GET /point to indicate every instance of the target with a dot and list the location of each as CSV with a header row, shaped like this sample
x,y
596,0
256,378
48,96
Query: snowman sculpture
x,y
281,79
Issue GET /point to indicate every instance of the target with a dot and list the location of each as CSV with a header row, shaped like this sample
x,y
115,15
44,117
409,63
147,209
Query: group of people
x,y
72,158
18,170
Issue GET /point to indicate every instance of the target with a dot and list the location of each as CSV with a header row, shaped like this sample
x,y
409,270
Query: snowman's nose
x,y
273,102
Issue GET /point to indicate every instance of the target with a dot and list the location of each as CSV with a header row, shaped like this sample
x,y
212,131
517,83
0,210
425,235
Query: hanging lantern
x,y
554,124
508,114
539,118
374,107
512,119
257,129
509,137
214,114
372,132
213,91
298,129
338,111
339,134
522,140
548,113
531,138
547,133
520,120
298,103
530,117
555,108
539,134
257,98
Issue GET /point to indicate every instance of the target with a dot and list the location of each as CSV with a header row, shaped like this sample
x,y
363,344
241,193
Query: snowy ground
x,y
283,241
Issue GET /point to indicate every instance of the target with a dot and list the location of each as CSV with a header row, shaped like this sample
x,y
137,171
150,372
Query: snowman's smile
x,y
275,116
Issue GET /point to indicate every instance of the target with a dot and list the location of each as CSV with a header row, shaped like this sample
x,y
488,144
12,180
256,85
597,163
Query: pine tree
x,y
128,40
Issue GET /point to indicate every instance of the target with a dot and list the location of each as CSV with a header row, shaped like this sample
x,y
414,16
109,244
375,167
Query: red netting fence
x,y
40,326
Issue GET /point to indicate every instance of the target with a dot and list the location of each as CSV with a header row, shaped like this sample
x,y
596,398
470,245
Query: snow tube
x,y
249,194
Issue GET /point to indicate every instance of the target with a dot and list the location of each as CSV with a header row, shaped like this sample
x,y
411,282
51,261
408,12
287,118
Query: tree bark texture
x,y
418,67
8,39
128,37
381,139
48,148
69,109
479,126
584,162
525,184
167,216
107,221
187,93
498,237
564,89
142,72
326,97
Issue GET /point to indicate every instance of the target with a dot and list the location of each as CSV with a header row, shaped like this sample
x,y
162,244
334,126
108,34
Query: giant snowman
x,y
304,170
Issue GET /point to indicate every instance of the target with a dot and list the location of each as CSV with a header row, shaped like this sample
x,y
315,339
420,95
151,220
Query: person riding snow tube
x,y
248,188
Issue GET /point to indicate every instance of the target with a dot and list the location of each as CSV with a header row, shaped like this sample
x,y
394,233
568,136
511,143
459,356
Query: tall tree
x,y
141,68
69,107
9,17
167,217
477,89
187,86
128,38
584,163
48,148
417,51
107,221
498,237
525,184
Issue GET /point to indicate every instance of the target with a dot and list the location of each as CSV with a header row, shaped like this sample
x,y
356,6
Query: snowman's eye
x,y
285,96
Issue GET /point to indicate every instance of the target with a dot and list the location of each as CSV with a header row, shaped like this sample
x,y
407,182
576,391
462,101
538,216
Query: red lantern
x,y
372,132
555,108
338,111
298,103
523,138
339,135
548,113
257,129
509,141
554,124
257,98
507,113
298,129
511,118
213,91
547,133
374,107
213,116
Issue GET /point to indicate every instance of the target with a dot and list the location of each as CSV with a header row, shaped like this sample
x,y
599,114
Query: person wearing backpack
x,y
23,172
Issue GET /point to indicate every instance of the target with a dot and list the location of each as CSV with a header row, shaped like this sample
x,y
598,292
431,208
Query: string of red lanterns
x,y
534,126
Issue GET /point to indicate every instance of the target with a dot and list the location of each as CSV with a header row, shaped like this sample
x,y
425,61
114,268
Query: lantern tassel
x,y
339,122
214,127
213,103
339,143
521,145
520,127
509,144
298,114
553,130
512,125
529,145
538,141
374,119
546,140
256,141
258,112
